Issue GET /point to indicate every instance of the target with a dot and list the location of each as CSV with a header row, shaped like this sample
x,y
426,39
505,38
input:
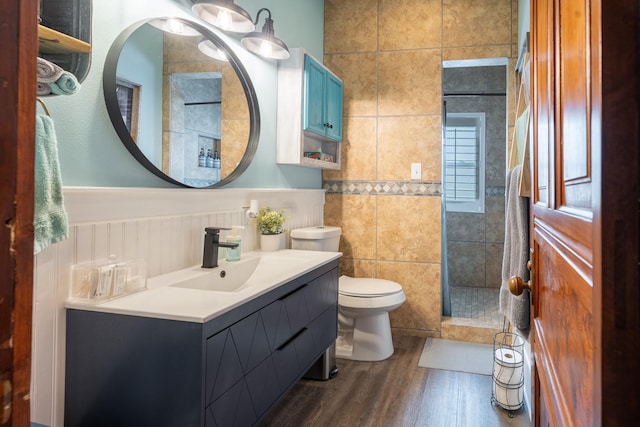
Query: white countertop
x,y
177,303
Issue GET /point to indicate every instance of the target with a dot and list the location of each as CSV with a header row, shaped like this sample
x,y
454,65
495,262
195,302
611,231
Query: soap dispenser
x,y
233,254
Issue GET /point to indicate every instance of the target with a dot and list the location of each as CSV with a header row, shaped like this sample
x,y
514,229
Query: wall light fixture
x,y
265,43
224,14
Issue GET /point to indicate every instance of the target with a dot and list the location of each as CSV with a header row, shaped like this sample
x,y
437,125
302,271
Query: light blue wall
x,y
91,153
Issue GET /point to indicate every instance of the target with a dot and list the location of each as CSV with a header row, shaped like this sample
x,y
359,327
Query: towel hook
x,y
44,106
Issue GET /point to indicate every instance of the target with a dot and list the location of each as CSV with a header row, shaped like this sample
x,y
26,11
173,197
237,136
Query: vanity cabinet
x,y
309,113
138,371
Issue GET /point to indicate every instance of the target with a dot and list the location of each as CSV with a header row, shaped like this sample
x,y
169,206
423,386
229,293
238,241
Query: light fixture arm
x,y
258,15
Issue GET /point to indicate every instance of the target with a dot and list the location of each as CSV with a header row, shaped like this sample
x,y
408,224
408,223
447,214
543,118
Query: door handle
x,y
517,285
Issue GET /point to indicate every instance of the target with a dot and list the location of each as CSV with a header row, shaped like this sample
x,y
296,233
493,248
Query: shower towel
x,y
516,253
66,84
522,126
50,218
48,72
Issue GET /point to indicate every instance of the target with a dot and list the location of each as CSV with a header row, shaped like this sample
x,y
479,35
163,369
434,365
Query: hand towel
x,y
48,72
516,253
50,218
66,84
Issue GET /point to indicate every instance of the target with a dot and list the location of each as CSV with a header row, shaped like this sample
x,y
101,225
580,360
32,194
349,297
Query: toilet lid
x,y
367,288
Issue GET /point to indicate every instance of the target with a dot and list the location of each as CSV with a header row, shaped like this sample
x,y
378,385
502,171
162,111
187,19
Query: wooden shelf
x,y
315,163
52,41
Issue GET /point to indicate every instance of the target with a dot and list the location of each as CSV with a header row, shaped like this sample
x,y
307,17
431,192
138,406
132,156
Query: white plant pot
x,y
270,242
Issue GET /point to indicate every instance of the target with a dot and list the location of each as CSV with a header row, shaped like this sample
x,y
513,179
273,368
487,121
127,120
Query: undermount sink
x,y
227,277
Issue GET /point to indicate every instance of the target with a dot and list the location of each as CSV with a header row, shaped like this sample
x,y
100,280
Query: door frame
x,y
17,136
617,312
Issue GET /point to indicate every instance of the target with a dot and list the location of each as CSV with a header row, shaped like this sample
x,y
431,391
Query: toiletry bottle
x,y
216,160
209,162
234,237
201,159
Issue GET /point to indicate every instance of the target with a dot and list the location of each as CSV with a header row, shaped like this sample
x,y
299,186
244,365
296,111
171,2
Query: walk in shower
x,y
474,165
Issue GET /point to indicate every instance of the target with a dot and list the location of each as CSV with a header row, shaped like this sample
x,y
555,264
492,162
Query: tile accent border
x,y
495,191
397,188
384,188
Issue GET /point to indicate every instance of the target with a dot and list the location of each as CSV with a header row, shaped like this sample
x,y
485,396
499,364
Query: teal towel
x,y
50,219
67,84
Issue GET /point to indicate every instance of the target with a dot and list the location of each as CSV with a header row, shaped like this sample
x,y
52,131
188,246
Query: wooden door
x,y
18,50
584,216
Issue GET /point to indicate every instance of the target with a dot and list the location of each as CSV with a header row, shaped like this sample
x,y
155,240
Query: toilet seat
x,y
366,287
369,293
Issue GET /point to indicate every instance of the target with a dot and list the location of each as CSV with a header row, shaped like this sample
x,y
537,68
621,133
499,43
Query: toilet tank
x,y
319,238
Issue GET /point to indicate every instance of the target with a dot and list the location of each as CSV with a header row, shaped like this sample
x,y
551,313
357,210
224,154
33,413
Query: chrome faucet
x,y
211,244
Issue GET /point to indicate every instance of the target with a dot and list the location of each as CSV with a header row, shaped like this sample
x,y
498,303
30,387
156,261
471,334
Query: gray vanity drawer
x,y
253,362
252,396
282,328
289,314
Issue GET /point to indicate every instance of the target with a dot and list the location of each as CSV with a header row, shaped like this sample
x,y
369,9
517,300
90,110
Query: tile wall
x,y
389,55
475,241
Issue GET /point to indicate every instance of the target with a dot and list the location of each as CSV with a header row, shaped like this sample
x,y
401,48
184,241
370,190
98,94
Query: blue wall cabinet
x,y
333,107
322,101
309,113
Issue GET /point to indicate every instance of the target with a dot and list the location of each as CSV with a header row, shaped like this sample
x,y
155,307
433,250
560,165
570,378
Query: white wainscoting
x,y
165,227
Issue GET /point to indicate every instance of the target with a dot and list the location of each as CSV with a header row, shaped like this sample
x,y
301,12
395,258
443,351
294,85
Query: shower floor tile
x,y
476,303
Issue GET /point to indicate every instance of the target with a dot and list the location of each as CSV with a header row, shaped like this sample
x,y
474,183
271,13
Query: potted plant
x,y
271,225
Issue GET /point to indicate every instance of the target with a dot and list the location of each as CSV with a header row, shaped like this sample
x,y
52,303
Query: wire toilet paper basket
x,y
508,371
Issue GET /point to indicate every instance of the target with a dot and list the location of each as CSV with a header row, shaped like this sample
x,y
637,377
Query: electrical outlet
x,y
416,170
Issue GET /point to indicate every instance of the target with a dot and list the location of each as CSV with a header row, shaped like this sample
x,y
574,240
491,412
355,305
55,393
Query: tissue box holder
x,y
103,280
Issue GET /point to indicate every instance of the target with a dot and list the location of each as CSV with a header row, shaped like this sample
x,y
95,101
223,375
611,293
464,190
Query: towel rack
x,y
44,106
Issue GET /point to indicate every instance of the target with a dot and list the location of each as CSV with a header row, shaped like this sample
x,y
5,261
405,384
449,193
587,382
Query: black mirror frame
x,y
109,89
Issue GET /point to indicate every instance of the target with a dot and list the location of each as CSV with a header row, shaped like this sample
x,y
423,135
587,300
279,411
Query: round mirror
x,y
181,102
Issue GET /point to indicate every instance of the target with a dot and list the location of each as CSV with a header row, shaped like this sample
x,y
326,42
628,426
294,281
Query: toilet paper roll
x,y
508,357
510,398
508,366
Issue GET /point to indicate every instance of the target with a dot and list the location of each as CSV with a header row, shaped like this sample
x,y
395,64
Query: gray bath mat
x,y
460,356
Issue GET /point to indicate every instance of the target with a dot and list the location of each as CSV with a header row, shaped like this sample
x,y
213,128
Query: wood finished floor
x,y
394,392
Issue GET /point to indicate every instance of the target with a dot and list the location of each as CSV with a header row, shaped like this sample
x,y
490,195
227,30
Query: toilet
x,y
364,331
